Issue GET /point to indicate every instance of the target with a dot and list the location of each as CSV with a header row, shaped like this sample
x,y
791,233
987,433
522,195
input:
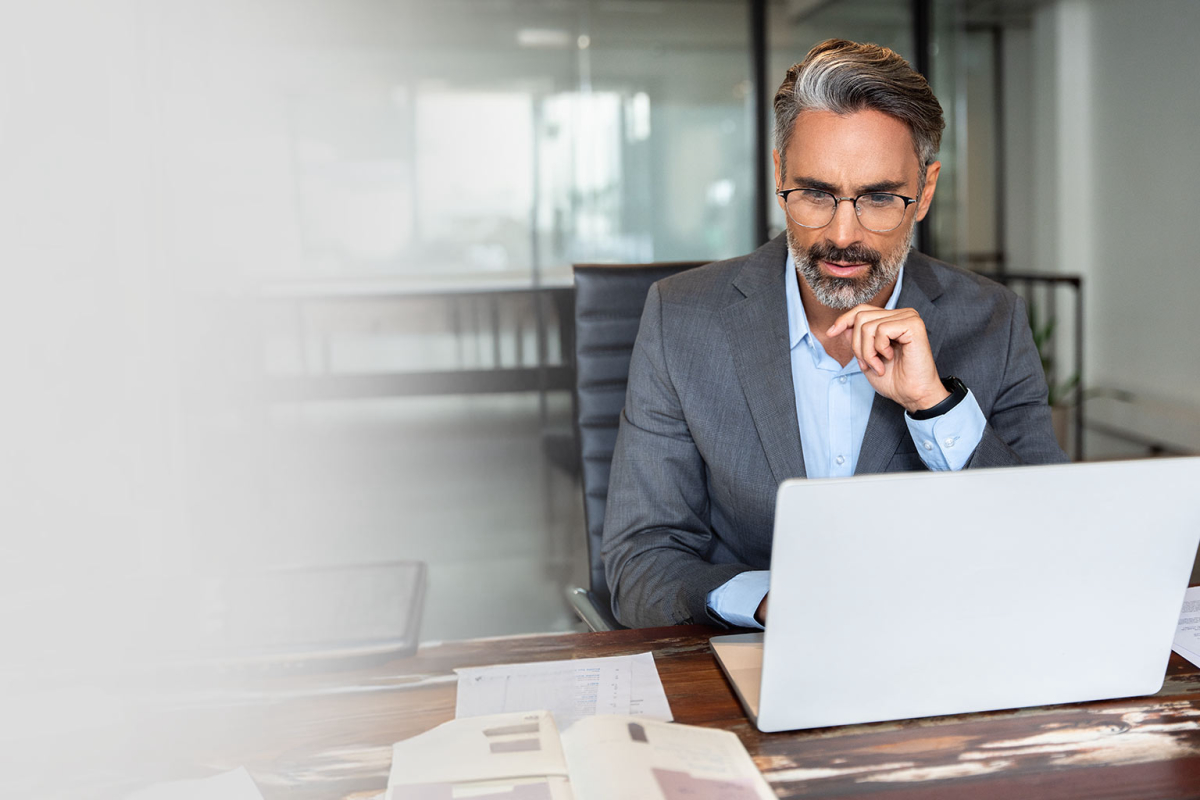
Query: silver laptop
x,y
921,594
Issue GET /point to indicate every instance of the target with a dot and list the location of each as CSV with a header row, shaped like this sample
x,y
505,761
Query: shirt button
x,y
949,443
842,379
928,445
841,459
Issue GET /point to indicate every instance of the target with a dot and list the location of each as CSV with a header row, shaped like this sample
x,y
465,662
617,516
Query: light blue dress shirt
x,y
833,404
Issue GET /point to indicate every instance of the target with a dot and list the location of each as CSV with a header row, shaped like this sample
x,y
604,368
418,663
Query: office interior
x,y
290,282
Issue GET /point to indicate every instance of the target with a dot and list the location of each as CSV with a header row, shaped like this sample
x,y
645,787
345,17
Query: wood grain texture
x,y
329,735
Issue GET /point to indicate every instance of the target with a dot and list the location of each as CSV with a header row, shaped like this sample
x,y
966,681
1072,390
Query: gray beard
x,y
843,294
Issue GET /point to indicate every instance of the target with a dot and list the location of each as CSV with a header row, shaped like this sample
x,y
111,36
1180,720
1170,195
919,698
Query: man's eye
x,y
879,200
814,196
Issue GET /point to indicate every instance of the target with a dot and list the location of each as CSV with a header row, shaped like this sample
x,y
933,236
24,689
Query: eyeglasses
x,y
878,212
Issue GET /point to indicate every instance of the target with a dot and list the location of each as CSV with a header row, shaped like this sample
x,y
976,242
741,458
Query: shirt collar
x,y
797,319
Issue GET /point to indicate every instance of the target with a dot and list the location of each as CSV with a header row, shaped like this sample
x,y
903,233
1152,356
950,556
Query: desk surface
x,y
329,735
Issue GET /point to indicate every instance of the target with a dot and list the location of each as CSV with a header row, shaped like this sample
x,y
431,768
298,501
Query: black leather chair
x,y
608,307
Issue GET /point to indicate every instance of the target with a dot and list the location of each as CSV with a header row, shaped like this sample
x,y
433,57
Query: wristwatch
x,y
957,390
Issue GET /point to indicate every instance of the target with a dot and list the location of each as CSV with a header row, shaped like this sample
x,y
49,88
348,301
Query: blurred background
x,y
288,283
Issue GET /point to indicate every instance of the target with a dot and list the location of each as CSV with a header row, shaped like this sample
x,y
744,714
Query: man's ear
x,y
931,178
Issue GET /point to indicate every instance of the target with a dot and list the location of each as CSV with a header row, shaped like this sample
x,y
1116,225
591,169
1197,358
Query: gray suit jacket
x,y
709,428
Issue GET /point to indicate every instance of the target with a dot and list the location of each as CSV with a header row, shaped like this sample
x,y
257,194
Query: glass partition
x,y
508,142
382,367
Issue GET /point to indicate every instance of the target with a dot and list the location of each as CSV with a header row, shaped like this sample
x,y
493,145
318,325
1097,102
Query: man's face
x,y
844,264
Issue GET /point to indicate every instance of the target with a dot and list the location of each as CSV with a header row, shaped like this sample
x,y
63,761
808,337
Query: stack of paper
x,y
1187,633
519,757
512,756
616,740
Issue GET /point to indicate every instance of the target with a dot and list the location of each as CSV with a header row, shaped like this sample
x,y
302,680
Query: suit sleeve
x,y
1019,430
657,533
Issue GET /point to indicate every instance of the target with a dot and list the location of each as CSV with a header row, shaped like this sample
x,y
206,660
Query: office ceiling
x,y
540,27
638,24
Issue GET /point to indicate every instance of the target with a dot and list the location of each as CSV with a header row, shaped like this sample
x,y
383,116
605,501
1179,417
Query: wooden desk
x,y
329,735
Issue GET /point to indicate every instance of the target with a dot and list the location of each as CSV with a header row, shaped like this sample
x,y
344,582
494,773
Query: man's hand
x,y
761,613
892,348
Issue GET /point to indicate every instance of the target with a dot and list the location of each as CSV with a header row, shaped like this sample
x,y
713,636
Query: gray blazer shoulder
x,y
722,282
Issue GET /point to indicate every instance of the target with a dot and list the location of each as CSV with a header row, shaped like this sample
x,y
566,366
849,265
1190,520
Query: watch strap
x,y
957,390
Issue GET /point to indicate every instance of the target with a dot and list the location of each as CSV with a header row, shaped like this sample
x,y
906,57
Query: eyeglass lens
x,y
813,208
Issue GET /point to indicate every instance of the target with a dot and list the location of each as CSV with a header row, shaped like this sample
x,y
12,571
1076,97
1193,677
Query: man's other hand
x,y
892,348
761,613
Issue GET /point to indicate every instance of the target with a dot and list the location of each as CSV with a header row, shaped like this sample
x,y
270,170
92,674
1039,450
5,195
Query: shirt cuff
x,y
947,441
736,600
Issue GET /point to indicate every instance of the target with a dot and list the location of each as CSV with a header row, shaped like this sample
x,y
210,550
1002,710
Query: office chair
x,y
608,308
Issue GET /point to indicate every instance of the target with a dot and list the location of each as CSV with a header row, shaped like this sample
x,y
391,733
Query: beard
x,y
846,293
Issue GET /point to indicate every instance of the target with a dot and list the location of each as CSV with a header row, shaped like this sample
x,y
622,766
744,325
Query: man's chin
x,y
839,293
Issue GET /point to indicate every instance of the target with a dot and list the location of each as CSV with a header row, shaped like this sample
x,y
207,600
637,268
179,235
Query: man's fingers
x,y
901,330
883,342
876,335
874,332
864,343
892,330
847,320
843,322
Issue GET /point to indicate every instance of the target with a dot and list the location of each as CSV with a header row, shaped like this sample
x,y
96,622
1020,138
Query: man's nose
x,y
845,229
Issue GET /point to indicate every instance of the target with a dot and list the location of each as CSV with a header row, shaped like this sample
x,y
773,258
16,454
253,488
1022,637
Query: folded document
x,y
521,756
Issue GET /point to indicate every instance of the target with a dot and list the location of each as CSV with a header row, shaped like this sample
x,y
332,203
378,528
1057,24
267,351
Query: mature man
x,y
835,352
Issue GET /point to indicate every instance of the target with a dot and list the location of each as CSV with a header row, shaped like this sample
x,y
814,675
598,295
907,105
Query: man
x,y
833,351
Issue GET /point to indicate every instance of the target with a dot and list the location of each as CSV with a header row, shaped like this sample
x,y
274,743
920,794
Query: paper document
x,y
508,756
522,757
611,757
570,690
1187,633
233,785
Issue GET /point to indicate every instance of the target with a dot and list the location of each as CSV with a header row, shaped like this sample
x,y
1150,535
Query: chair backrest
x,y
608,307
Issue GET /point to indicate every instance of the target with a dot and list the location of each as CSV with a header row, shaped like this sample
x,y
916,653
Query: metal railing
x,y
505,339
1043,295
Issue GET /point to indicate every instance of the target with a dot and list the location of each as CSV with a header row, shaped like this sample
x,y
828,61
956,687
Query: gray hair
x,y
845,77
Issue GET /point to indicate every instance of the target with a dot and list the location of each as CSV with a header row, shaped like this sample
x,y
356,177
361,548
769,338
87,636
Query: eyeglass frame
x,y
783,193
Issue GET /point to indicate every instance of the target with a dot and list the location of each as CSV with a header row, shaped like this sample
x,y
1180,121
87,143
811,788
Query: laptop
x,y
921,594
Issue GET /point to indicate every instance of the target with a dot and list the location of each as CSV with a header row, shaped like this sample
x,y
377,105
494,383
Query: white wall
x,y
90,456
1144,322
1116,103
143,171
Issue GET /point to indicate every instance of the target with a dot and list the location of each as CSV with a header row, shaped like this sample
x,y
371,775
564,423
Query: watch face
x,y
954,385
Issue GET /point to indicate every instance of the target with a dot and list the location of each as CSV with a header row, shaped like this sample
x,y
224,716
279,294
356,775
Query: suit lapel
x,y
886,426
757,327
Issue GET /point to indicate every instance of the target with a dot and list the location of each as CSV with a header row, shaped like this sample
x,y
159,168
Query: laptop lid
x,y
919,594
